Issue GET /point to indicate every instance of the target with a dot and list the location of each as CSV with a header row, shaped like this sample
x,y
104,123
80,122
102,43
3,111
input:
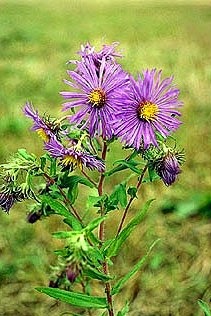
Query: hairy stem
x,y
101,237
108,291
100,192
131,200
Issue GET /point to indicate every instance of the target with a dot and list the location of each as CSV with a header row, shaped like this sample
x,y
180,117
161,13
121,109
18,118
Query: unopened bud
x,y
32,217
53,284
72,271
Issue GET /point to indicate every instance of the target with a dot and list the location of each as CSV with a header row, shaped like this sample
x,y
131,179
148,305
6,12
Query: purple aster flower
x,y
44,128
152,109
74,156
100,94
168,167
108,52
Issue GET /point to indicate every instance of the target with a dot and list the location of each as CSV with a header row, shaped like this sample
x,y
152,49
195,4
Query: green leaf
x,y
24,154
152,175
96,255
119,285
116,244
72,193
53,167
124,310
94,224
132,192
62,210
124,164
130,164
118,196
94,274
43,162
73,298
63,234
94,201
71,181
205,307
122,194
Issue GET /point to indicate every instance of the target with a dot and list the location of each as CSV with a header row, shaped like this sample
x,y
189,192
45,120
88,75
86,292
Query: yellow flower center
x,y
97,98
68,160
147,111
41,133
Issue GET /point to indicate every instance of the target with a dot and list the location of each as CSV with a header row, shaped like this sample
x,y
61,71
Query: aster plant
x,y
103,104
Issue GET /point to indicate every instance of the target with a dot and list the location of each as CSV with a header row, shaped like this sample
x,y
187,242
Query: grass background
x,y
36,40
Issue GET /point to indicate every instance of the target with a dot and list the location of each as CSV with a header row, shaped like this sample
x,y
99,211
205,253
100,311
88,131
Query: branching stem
x,y
131,200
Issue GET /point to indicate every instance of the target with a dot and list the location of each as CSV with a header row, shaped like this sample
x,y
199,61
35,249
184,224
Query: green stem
x,y
131,200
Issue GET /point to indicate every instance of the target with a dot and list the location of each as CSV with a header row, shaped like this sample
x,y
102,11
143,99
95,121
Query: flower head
x,y
152,109
101,92
43,126
74,156
168,167
108,52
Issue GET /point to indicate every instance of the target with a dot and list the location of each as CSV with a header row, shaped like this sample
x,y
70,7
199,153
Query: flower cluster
x,y
112,103
105,103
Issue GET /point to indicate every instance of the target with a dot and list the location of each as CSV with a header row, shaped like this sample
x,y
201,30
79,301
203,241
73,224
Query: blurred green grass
x,y
37,39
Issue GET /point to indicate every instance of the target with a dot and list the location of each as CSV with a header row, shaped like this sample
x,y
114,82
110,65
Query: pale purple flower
x,y
74,156
152,109
44,128
99,94
108,52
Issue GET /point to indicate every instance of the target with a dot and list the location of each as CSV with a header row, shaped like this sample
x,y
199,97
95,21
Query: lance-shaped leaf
x,y
205,307
71,182
24,154
116,243
119,194
95,274
122,165
94,224
124,310
62,210
94,201
119,285
73,298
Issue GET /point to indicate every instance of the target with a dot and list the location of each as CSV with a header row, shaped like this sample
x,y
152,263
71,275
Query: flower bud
x,y
72,271
53,284
32,217
168,168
